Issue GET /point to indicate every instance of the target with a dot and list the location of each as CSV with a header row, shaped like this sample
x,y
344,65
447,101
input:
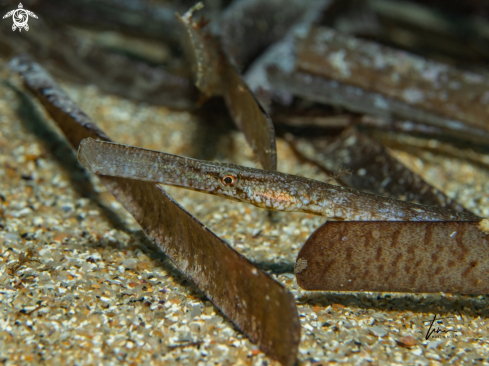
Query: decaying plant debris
x,y
249,27
384,120
134,17
372,168
83,60
24,259
461,97
402,257
214,75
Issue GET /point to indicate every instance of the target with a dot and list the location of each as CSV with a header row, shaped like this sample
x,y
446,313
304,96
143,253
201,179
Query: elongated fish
x,y
266,189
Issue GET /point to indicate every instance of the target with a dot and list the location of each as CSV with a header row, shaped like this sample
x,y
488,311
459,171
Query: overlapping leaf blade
x,y
228,279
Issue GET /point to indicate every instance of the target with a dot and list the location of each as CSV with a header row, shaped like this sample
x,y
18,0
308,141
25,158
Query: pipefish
x,y
266,189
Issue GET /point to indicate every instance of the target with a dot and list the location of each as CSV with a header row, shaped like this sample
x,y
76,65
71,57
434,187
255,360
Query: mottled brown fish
x,y
266,189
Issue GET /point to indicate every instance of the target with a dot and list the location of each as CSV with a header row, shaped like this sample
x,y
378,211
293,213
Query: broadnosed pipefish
x,y
266,189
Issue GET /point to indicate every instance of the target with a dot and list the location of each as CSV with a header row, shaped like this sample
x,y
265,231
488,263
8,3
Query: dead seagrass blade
x,y
396,257
426,85
214,75
373,168
228,279
106,69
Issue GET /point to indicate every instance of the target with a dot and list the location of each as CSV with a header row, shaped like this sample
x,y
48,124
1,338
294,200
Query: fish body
x,y
263,188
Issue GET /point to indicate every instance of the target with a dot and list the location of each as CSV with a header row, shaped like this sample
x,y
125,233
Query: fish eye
x,y
229,180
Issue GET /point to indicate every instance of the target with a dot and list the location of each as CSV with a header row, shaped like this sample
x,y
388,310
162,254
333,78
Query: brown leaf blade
x,y
228,279
333,91
396,257
373,169
428,85
104,68
142,18
251,118
248,27
214,75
